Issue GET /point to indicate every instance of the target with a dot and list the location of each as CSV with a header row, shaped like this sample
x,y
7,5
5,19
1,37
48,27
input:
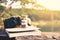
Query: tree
x,y
1,10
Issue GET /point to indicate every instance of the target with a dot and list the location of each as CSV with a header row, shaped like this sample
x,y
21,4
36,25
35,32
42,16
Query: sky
x,y
50,4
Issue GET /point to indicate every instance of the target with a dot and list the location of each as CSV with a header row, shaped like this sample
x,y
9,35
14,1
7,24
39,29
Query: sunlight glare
x,y
50,4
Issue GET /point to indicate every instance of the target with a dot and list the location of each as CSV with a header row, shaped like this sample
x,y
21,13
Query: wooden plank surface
x,y
36,32
22,29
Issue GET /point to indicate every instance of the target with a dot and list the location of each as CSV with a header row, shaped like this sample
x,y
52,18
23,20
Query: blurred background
x,y
44,14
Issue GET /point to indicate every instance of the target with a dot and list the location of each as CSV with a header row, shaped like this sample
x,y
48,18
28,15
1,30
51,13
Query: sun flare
x,y
50,4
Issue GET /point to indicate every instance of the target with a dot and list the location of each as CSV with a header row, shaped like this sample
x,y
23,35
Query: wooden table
x,y
17,32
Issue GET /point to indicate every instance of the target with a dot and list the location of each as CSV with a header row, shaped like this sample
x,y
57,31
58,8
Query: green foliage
x,y
1,8
23,2
1,21
34,17
6,15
